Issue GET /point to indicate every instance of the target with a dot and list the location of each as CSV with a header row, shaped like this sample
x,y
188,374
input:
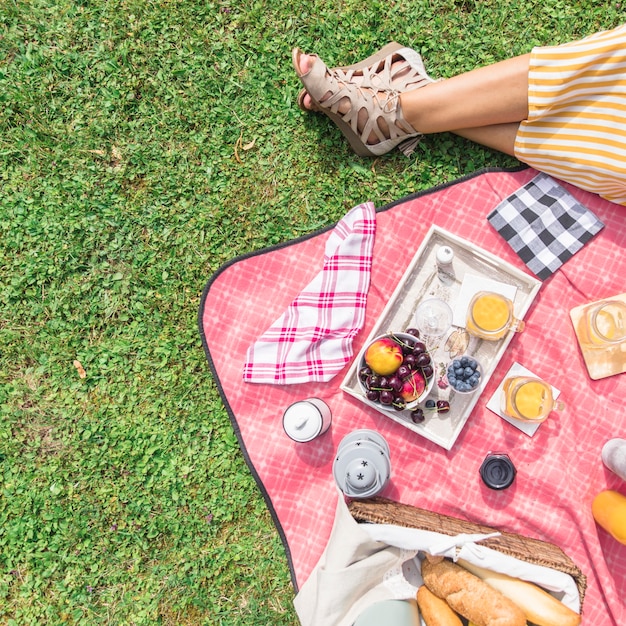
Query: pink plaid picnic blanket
x,y
559,469
312,340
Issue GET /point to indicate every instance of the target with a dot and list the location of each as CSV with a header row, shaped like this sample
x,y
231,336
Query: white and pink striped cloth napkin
x,y
312,340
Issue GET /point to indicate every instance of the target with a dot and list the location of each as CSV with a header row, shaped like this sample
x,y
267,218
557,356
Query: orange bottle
x,y
609,511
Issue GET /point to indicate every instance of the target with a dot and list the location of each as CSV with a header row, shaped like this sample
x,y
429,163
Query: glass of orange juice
x,y
490,316
528,398
603,324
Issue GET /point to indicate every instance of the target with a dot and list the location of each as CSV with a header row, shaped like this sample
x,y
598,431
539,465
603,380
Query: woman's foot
x,y
392,67
360,102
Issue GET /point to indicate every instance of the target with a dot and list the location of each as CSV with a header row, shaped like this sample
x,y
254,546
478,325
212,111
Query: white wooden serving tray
x,y
472,269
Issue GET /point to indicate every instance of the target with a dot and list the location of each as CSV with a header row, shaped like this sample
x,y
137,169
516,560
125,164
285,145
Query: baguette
x,y
434,610
539,606
469,596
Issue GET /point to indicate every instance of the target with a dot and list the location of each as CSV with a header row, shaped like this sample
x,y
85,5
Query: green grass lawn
x,y
143,144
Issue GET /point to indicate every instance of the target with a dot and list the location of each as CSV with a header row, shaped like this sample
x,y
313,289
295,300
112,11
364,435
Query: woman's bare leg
x,y
494,94
484,105
499,137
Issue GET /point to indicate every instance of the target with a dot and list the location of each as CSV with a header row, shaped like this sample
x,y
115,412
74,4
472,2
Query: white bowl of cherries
x,y
396,371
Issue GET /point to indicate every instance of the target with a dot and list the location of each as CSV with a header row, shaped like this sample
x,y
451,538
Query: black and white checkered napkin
x,y
544,224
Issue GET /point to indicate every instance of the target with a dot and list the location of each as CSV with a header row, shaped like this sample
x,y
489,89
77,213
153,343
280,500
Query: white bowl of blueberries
x,y
464,374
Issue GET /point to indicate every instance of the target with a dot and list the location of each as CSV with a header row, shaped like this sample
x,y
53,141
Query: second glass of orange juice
x,y
528,398
603,325
490,316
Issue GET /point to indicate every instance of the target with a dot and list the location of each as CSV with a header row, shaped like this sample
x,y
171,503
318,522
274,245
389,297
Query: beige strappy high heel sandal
x,y
329,88
393,67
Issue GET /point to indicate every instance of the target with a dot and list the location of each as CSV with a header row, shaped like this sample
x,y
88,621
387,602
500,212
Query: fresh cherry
x,y
395,382
403,371
423,359
386,397
443,406
417,415
399,404
419,348
372,395
410,360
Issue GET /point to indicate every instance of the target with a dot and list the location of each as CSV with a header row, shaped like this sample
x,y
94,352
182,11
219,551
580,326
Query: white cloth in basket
x,y
366,563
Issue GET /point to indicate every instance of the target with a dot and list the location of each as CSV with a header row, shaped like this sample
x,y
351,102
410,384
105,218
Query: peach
x,y
384,356
413,386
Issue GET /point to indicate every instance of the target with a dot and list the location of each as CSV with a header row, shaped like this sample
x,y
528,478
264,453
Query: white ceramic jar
x,y
307,419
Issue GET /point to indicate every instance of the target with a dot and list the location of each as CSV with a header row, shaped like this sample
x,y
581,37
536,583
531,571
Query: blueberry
x,y
472,363
430,404
458,372
456,363
452,379
464,361
468,371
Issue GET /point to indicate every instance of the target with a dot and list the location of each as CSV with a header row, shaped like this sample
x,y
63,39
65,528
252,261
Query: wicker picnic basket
x,y
382,511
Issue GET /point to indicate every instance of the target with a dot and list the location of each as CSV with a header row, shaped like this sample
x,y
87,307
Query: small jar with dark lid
x,y
497,471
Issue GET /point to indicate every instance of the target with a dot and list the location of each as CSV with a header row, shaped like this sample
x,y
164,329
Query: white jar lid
x,y
302,421
445,254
